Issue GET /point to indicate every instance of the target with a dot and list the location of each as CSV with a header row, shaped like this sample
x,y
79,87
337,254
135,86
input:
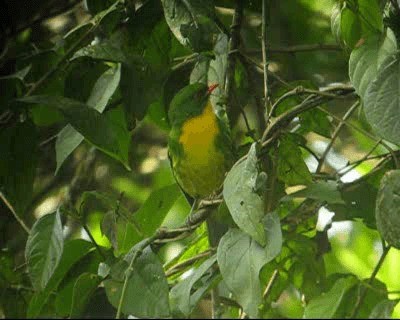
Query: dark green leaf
x,y
17,170
83,289
191,21
183,295
147,290
320,190
350,27
240,259
74,250
387,208
325,306
68,138
291,166
371,15
383,310
244,204
382,100
44,249
367,59
106,135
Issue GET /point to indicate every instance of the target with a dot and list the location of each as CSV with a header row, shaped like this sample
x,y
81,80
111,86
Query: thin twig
x,y
363,290
10,207
336,134
271,282
85,227
182,265
264,53
300,48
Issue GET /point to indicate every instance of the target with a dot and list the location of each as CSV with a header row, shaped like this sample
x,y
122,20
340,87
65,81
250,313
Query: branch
x,y
19,220
299,48
234,43
264,53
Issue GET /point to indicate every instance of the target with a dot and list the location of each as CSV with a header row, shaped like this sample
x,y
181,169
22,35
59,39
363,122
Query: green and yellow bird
x,y
200,146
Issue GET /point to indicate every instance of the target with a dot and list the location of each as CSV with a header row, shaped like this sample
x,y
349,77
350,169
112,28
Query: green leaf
x,y
335,22
244,204
240,259
44,249
325,306
320,190
383,310
147,290
191,21
74,250
151,214
83,289
350,27
68,138
387,208
18,160
382,100
106,135
291,166
367,59
183,295
371,15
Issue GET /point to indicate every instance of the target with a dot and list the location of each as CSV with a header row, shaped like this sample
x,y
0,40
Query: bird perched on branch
x,y
200,147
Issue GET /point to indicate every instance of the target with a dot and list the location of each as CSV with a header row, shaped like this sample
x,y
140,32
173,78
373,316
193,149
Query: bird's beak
x,y
212,88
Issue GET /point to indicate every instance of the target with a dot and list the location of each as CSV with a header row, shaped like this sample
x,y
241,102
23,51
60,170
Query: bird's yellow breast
x,y
198,136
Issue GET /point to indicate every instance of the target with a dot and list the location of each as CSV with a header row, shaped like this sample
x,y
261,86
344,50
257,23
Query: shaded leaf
x,y
68,138
383,310
83,289
244,204
147,290
382,100
183,296
350,27
320,190
44,249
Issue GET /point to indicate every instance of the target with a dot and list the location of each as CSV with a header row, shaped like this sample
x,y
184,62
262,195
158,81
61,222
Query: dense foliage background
x,y
93,223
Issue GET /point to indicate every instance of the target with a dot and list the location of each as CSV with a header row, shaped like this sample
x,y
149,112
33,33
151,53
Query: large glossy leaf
x,y
189,21
146,293
74,250
325,306
44,249
68,138
95,127
382,100
244,203
366,60
18,160
388,208
183,295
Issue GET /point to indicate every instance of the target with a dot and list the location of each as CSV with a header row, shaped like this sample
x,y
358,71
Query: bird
x,y
200,147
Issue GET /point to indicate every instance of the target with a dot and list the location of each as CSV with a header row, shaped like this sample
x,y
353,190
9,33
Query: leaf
x,y
291,166
244,204
335,22
371,15
325,306
18,160
350,27
387,208
183,295
367,59
382,100
95,127
153,211
191,22
146,294
240,259
320,190
44,249
109,228
68,138
83,289
74,250
383,310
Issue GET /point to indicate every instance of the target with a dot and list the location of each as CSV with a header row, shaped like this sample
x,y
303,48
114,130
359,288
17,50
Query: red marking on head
x,y
212,88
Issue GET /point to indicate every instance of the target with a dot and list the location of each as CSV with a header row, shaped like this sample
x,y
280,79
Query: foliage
x,y
95,225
